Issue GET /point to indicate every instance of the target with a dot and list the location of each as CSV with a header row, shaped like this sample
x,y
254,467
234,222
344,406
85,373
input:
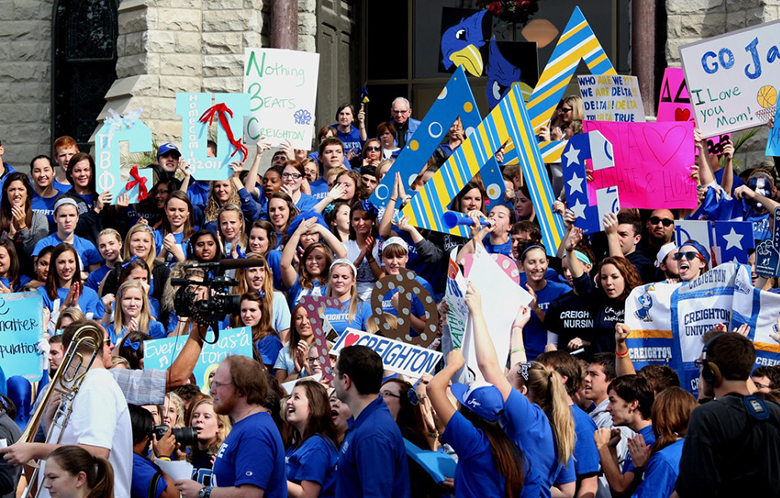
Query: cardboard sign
x,y
675,105
648,314
282,88
455,297
731,78
195,133
611,98
652,164
728,241
108,169
407,288
315,307
159,354
397,356
589,211
768,251
22,328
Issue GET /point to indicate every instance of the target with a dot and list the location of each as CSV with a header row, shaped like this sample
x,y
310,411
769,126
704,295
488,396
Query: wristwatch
x,y
204,492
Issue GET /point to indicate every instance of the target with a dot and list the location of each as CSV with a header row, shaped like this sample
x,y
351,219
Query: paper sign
x,y
289,386
195,133
22,328
768,251
177,469
698,230
732,78
109,178
282,87
159,354
675,105
455,297
590,212
652,164
397,356
611,98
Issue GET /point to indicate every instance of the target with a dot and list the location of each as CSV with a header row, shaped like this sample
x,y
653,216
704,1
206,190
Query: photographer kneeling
x,y
149,481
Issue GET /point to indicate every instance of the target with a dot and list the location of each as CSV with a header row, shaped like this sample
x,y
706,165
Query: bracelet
x,y
516,350
394,200
621,355
164,458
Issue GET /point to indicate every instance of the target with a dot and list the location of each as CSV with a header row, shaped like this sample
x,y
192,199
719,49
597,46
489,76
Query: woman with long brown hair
x,y
175,230
72,472
18,221
312,457
256,314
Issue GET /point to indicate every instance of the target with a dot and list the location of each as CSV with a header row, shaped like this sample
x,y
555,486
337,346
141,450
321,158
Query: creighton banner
x,y
647,314
722,295
282,88
397,356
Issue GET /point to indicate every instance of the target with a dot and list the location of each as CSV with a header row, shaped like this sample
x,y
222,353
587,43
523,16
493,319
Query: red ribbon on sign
x,y
221,110
137,179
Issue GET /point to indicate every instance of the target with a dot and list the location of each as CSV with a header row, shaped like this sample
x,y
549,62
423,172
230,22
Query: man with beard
x,y
250,463
731,444
668,267
660,230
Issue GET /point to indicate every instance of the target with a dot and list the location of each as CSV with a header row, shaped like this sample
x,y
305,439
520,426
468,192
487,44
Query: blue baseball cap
x,y
482,398
166,148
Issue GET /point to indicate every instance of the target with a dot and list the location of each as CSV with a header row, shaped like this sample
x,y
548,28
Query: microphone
x,y
228,264
453,219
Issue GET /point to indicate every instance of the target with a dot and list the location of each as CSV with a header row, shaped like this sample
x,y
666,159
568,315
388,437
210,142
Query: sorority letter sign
x,y
138,136
732,78
282,88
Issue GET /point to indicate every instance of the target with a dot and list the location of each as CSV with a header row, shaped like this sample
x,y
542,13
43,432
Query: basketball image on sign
x,y
767,96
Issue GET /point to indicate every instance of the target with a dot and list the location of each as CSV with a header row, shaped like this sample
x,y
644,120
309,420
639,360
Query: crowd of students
x,y
564,415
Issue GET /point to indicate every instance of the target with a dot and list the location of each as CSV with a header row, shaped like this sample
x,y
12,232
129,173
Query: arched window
x,y
84,64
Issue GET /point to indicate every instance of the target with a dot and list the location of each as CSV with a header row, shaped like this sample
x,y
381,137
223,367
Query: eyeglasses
x,y
294,176
654,220
400,112
388,394
689,255
313,361
697,363
219,385
373,148
565,109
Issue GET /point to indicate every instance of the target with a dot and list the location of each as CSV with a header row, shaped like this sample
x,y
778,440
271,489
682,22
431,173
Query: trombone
x,y
67,382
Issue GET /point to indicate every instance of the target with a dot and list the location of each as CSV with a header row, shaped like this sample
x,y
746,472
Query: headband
x,y
395,241
582,257
63,201
705,254
344,261
535,246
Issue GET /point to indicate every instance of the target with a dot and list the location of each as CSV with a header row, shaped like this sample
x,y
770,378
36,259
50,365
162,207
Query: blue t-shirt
x,y
339,318
476,474
505,248
61,187
586,456
296,292
281,311
144,471
351,140
253,453
96,277
372,461
535,333
45,206
661,472
89,302
23,280
86,250
156,331
647,433
315,460
306,203
269,347
198,192
180,242
319,188
274,259
526,424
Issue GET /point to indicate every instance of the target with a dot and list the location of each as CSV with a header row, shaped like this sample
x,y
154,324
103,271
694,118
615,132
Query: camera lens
x,y
186,436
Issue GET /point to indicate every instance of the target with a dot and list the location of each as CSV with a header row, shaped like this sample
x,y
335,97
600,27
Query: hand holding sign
x,y
407,287
768,252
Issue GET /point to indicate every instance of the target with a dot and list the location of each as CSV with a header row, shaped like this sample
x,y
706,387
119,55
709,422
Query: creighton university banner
x,y
648,316
724,294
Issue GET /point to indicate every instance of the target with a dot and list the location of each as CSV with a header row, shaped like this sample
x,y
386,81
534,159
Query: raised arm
x,y
610,229
333,242
387,217
437,387
180,370
575,265
478,233
727,183
487,358
250,181
289,275
335,193
623,363
706,176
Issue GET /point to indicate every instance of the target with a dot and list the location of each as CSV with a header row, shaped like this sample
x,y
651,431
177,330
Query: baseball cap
x,y
663,252
166,148
482,398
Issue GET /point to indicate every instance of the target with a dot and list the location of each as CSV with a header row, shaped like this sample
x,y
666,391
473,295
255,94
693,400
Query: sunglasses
x,y
654,220
373,148
565,109
689,255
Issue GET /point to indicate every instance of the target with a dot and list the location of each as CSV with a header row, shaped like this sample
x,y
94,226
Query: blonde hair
x,y
178,270
223,424
110,231
549,392
213,205
119,315
232,208
268,284
179,404
353,301
149,259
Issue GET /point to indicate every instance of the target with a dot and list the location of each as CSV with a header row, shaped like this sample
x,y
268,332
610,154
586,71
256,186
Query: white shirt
x,y
100,418
365,277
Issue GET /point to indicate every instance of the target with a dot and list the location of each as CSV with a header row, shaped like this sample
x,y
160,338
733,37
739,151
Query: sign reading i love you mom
x,y
652,164
397,356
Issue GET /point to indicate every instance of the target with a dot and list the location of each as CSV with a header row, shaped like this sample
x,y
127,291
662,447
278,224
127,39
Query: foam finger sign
x,y
590,212
314,306
407,288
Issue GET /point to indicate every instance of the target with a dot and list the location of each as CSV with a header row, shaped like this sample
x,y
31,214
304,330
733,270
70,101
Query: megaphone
x,y
453,219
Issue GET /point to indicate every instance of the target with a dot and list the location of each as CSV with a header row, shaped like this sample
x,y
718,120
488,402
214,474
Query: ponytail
x,y
549,392
104,482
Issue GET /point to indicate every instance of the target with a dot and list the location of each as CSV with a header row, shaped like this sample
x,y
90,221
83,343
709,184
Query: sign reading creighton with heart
x,y
397,356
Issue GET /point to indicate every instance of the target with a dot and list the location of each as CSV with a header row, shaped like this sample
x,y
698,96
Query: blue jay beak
x,y
470,58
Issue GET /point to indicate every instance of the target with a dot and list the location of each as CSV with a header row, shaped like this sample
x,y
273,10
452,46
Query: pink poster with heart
x,y
675,105
652,164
